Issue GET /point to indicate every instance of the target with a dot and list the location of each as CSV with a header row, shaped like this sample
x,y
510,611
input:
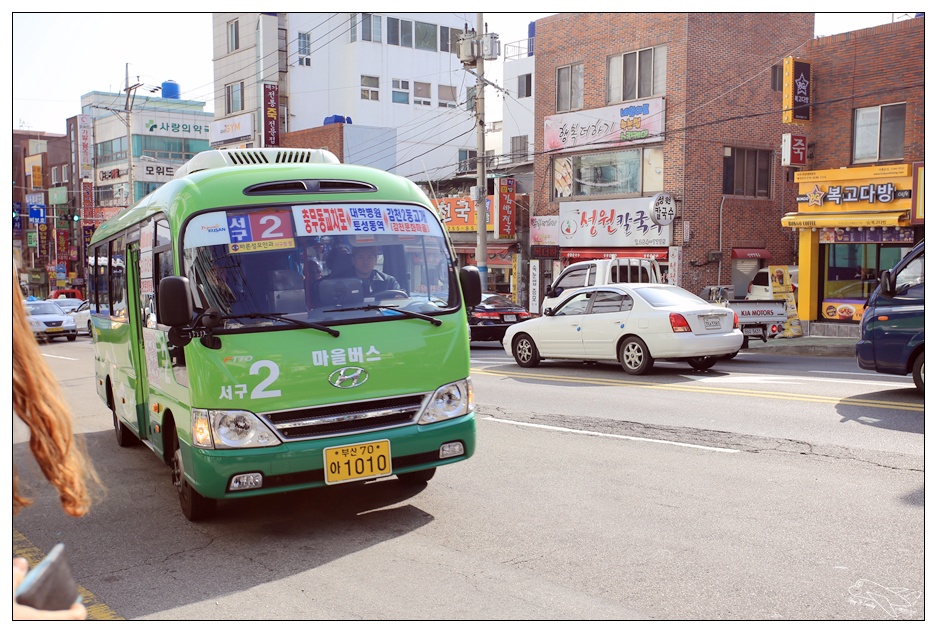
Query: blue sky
x,y
49,77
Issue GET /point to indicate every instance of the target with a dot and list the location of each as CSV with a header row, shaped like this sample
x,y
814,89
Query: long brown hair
x,y
38,401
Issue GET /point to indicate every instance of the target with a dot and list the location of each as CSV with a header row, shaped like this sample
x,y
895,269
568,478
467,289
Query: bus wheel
x,y
125,438
195,507
416,478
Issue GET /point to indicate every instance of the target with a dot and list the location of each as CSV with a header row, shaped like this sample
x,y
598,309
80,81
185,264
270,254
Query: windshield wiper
x,y
405,312
284,319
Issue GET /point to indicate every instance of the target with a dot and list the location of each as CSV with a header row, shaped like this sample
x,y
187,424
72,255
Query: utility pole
x,y
481,203
128,107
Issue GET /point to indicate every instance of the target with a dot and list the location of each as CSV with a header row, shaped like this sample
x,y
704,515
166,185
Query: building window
x,y
233,36
448,96
467,160
637,75
370,27
570,87
354,20
519,148
747,172
445,39
369,85
427,36
400,91
776,78
234,97
879,133
625,173
524,86
422,93
305,44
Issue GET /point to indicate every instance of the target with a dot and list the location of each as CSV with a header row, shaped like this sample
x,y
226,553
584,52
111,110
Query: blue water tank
x,y
334,118
170,90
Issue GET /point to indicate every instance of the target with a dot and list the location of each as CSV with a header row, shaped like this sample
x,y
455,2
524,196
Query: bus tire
x,y
125,437
417,478
195,507
918,372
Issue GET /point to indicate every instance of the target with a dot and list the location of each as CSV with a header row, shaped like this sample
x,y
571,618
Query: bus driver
x,y
364,258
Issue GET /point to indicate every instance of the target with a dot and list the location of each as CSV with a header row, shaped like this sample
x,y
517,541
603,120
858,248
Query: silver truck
x,y
762,318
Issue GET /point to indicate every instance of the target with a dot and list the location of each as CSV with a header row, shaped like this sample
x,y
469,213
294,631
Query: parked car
x,y
760,286
634,324
82,317
490,318
49,321
893,330
70,293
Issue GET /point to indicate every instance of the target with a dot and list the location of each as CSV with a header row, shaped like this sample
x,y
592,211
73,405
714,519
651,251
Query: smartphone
x,y
50,585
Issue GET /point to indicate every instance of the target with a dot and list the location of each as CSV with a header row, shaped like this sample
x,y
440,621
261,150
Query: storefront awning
x,y
750,253
844,220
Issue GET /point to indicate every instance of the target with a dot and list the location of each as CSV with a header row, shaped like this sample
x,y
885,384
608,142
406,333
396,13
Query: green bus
x,y
272,320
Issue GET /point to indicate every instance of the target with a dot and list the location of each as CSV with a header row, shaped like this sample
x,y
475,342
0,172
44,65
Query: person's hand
x,y
77,612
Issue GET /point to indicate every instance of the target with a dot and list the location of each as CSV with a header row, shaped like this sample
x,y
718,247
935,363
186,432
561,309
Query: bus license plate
x,y
357,461
712,322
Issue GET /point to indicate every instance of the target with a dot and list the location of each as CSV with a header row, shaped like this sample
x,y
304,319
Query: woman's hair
x,y
38,401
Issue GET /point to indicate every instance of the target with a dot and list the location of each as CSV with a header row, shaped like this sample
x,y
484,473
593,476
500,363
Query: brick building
x,y
857,209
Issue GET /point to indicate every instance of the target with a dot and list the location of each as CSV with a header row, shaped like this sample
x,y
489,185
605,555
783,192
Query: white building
x,y
393,80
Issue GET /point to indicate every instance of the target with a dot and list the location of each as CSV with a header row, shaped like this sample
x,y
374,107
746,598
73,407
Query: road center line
x,y
610,436
57,357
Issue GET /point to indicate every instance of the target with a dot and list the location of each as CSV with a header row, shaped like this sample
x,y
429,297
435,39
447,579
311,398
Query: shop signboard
x,y
458,214
620,223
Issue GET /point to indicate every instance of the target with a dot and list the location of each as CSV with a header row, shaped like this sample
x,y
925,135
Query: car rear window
x,y
761,278
666,296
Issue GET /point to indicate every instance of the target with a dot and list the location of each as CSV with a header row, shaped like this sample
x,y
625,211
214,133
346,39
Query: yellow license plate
x,y
357,461
53,329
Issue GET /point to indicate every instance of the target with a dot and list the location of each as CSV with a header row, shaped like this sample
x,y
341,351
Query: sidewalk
x,y
807,345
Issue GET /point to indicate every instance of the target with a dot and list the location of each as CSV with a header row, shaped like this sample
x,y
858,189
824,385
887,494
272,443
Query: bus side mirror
x,y
470,279
175,301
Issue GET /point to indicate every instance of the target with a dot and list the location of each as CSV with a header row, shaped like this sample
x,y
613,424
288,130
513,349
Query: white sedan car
x,y
631,323
82,316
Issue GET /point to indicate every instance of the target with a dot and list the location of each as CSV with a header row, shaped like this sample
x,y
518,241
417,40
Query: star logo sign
x,y
802,84
815,196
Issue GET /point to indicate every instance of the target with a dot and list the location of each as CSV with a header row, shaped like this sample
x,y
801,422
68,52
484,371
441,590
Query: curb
x,y
810,346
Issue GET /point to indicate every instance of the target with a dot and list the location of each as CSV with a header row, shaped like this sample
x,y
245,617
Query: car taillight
x,y
750,287
678,323
736,325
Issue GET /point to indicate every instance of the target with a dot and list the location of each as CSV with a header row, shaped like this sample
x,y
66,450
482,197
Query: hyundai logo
x,y
348,377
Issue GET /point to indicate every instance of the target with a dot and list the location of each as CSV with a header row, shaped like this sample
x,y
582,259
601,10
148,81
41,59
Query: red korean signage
x,y
793,150
271,120
506,189
458,214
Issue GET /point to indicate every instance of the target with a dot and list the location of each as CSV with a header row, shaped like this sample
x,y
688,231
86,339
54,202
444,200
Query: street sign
x,y
37,214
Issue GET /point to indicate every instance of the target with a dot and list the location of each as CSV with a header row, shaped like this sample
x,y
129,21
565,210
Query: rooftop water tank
x,y
170,90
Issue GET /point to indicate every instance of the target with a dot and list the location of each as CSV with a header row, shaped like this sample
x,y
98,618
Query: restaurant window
x,y
852,270
747,172
570,87
637,74
609,174
879,133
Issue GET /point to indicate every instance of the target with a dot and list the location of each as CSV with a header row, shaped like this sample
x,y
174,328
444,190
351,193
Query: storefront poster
x,y
843,310
782,287
867,235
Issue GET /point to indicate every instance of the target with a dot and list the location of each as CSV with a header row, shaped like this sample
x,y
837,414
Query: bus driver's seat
x,y
287,291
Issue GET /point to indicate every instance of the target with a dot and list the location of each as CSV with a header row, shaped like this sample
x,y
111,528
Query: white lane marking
x,y
49,355
610,436
755,378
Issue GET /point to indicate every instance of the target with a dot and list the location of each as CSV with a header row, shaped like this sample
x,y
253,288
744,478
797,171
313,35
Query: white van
x,y
760,287
600,272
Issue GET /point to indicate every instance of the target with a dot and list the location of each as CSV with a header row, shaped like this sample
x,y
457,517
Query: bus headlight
x,y
228,429
449,401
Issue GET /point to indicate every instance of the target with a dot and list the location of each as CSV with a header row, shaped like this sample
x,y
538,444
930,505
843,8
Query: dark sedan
x,y
491,318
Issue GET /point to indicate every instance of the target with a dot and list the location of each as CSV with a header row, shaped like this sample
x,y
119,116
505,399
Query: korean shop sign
x,y
887,188
271,120
797,90
458,214
621,223
640,121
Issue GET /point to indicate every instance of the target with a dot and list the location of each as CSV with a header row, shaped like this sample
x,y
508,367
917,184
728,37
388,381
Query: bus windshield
x,y
318,263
